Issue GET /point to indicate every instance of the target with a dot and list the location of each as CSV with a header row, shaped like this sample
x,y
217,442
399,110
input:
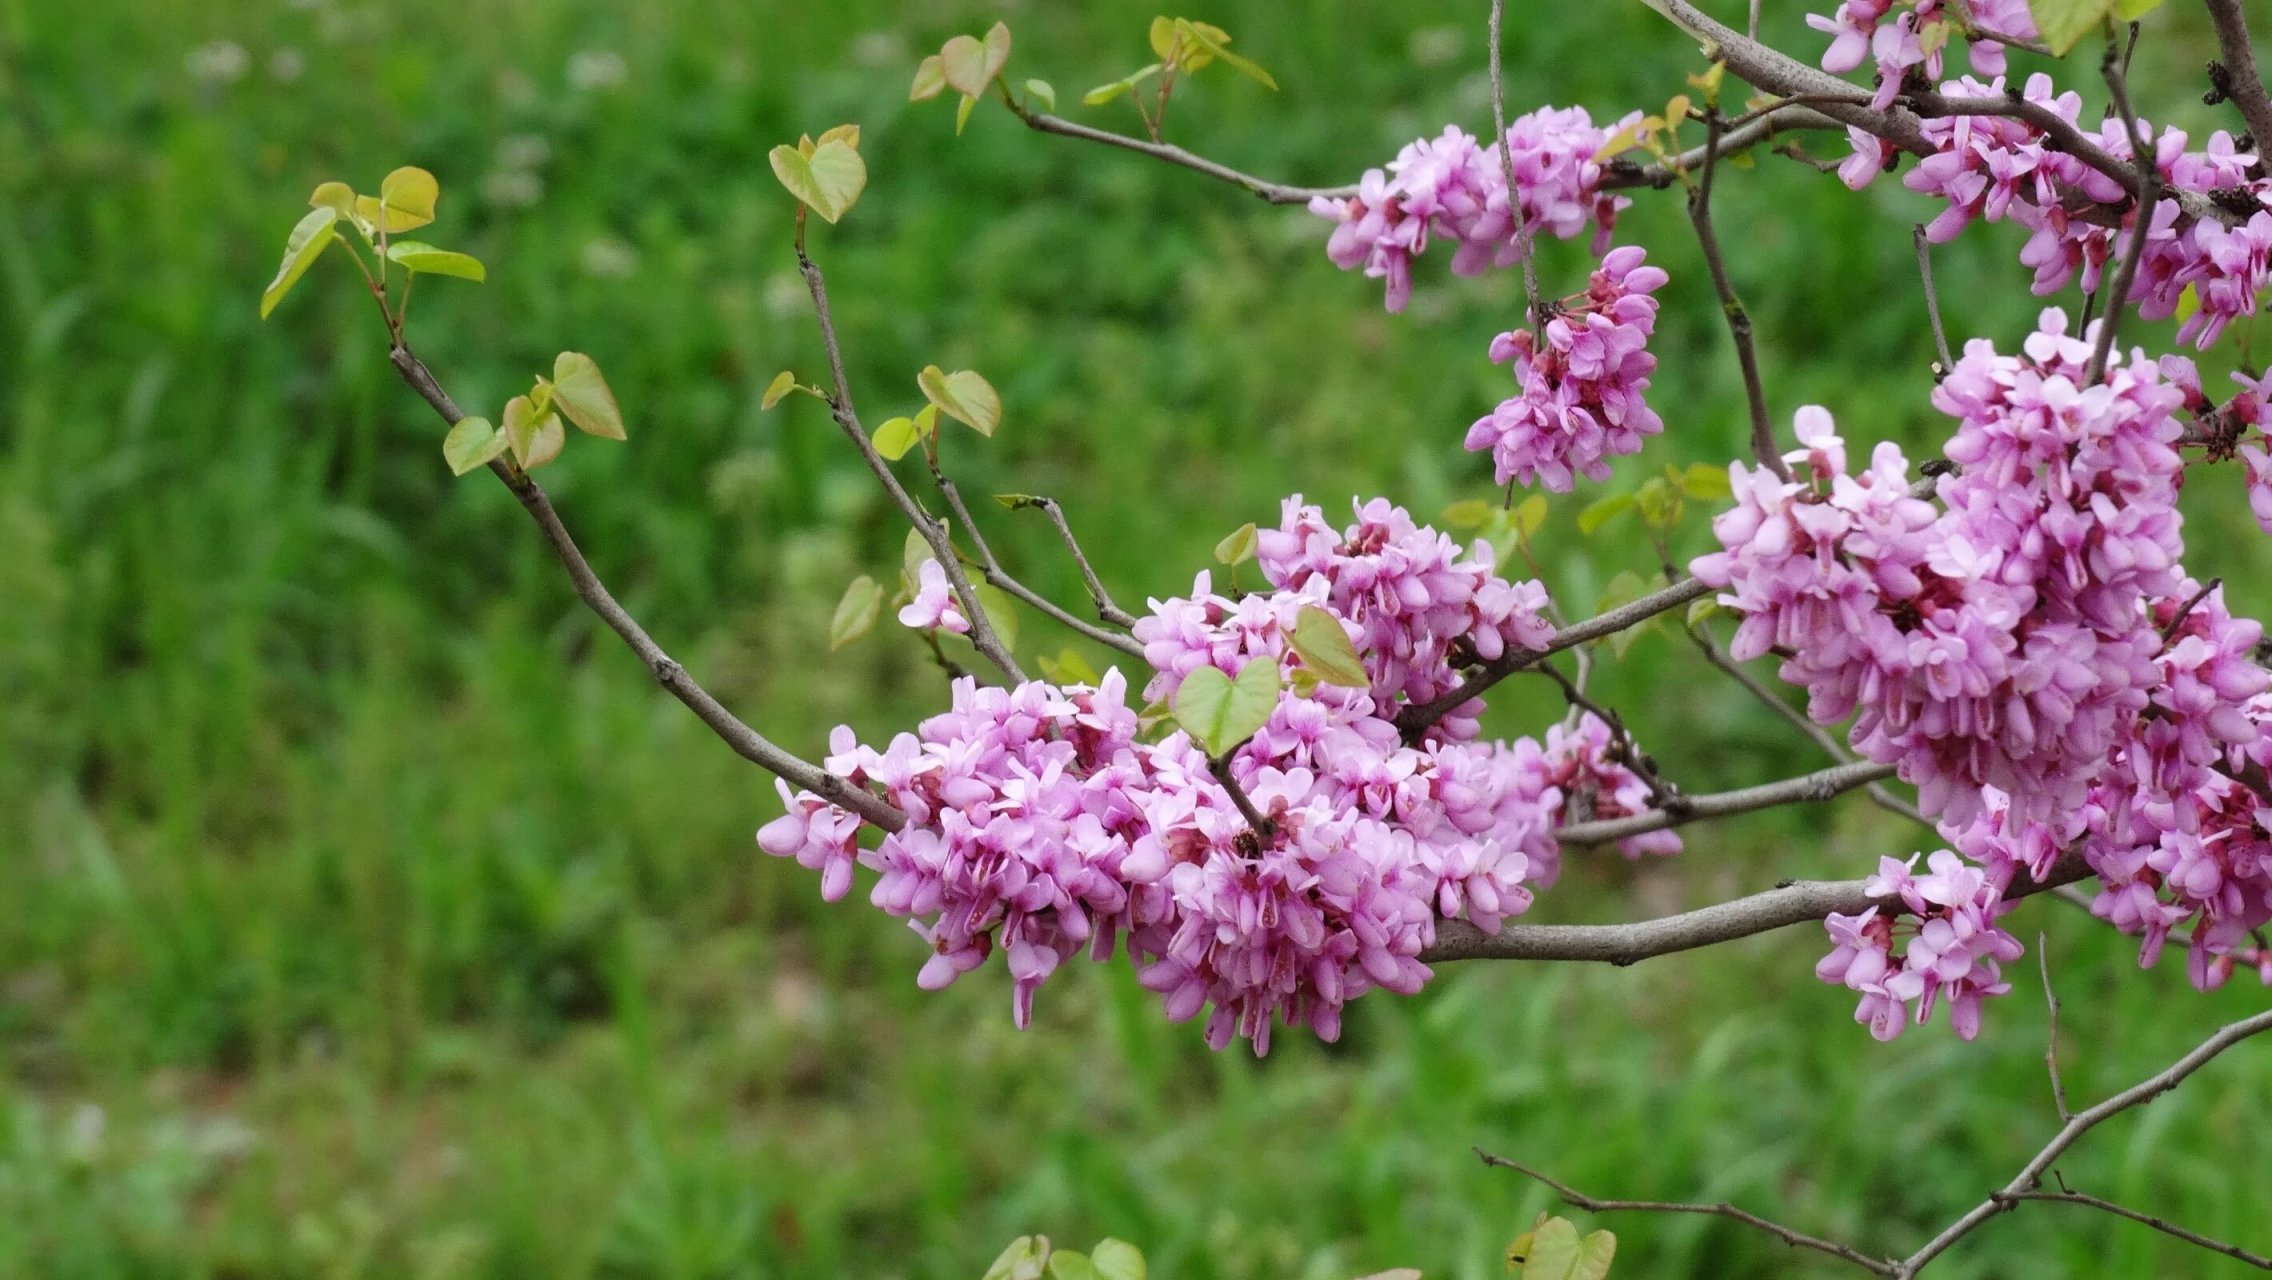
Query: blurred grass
x,y
370,913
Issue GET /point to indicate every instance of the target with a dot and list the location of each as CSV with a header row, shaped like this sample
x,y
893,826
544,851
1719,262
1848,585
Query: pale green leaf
x,y
1065,1264
337,196
2064,23
1042,92
1104,93
962,114
783,382
848,134
963,60
1117,1260
2188,302
1220,713
1001,612
310,237
1238,548
1553,1251
583,395
405,202
930,80
1163,38
1659,502
428,260
1530,514
963,396
473,442
1023,1260
1213,41
997,46
828,182
536,436
856,613
895,437
1324,648
1595,1253
1603,510
1470,514
1705,482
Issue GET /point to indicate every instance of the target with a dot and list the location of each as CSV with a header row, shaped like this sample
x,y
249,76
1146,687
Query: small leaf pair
x,y
969,66
826,175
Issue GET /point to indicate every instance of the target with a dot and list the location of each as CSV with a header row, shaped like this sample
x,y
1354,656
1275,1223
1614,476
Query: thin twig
x,y
2244,84
1624,748
1595,1204
991,569
933,531
747,742
1220,766
1932,301
1822,784
2030,1178
1106,610
2149,192
1507,172
1739,320
2159,1224
1798,902
1878,793
2051,1042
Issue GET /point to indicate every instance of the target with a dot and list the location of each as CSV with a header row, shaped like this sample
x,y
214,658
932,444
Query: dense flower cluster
x,y
1579,400
1040,823
1456,187
1995,167
1915,37
2033,656
1954,948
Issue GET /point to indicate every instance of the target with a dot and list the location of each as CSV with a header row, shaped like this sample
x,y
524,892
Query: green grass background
x,y
367,911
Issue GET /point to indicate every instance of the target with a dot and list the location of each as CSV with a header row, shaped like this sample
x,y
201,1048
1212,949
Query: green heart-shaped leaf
x,y
1104,93
895,437
1595,1253
783,383
405,202
963,396
1324,648
310,237
334,195
930,79
1553,1251
856,612
1043,93
427,259
1219,712
1238,548
583,395
536,437
828,182
472,443
1116,1259
2064,23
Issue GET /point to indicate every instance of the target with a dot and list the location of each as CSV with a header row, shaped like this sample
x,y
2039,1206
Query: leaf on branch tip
x,y
536,437
337,196
783,383
428,260
2064,23
1043,92
963,61
310,237
856,613
1104,93
828,182
405,202
1219,712
895,437
1117,1259
583,395
930,80
1238,548
473,442
1324,647
963,396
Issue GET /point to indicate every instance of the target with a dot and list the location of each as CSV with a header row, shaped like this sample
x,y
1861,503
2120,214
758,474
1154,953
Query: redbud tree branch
x,y
747,742
2244,85
1763,445
934,531
1798,902
2030,1178
2162,1225
991,569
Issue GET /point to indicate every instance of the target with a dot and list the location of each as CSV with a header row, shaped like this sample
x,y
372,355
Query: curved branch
x,y
1594,1204
1798,902
991,569
2163,1225
746,742
1823,784
2031,1177
1274,192
2243,83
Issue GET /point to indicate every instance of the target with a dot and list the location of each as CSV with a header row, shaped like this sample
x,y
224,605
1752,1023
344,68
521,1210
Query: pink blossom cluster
x,y
1455,186
1040,823
1915,37
2001,642
1579,399
1995,167
1954,949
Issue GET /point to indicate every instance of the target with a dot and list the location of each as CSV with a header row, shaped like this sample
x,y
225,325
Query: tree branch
x,y
2159,1224
1274,192
2245,85
934,531
991,569
2030,1178
2149,187
747,742
1731,307
1106,610
1823,784
1594,1204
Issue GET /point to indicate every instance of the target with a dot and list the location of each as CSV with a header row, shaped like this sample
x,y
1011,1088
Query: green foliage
x,y
856,612
310,237
963,396
1237,547
1220,712
1325,650
472,443
582,394
2064,23
827,176
1032,1258
1553,1250
534,433
413,255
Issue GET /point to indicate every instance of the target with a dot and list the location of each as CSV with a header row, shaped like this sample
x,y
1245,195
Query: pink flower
x,y
934,606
